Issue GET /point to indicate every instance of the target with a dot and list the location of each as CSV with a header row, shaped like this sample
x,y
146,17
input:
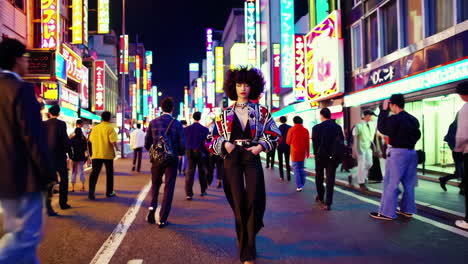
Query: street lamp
x,y
160,93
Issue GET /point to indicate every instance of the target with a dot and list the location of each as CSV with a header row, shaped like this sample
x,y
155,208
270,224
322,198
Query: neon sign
x,y
60,68
210,67
300,87
219,55
77,21
251,31
99,84
277,68
287,43
103,16
84,93
73,64
50,25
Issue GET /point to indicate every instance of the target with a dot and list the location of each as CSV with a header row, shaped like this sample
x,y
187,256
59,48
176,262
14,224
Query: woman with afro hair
x,y
243,131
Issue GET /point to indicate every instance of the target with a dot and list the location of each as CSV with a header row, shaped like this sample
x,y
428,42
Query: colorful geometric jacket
x,y
263,128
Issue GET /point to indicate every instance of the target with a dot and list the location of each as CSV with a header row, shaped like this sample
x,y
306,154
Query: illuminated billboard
x,y
300,80
60,68
219,55
210,68
103,17
277,68
77,21
84,91
287,43
194,67
99,84
73,63
149,57
324,59
251,31
50,23
123,54
238,55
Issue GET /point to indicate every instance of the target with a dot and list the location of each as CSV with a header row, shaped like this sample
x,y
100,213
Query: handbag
x,y
161,153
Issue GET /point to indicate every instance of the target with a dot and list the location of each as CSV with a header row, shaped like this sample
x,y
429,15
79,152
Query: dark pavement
x,y
202,231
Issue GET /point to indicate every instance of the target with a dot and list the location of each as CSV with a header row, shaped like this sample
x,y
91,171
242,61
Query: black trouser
x,y
270,160
330,165
137,153
459,170
170,173
465,180
248,203
93,178
63,186
48,198
286,153
215,162
195,159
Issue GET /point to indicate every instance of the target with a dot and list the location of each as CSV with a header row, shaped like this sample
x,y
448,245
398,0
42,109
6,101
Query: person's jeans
x,y
170,175
78,167
22,227
401,167
299,172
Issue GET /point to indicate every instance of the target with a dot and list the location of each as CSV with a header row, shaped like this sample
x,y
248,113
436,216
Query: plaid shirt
x,y
157,128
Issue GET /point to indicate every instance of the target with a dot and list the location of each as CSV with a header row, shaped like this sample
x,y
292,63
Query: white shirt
x,y
364,133
137,139
461,139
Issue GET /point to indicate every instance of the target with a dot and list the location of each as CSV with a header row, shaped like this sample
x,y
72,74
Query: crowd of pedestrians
x,y
35,154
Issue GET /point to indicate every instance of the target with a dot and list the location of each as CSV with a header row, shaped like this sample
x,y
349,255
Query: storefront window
x,y
372,35
390,27
413,21
357,46
462,10
440,15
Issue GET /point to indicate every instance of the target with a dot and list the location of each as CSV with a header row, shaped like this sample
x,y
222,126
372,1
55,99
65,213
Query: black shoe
x,y
65,207
150,217
317,199
407,215
363,187
113,194
327,208
350,179
442,184
162,224
52,213
91,197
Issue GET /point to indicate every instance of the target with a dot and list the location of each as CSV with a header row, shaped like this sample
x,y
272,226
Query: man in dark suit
x,y
25,164
59,146
327,137
284,150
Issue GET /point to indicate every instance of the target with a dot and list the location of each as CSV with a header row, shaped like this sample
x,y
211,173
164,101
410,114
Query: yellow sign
x,y
219,67
103,17
77,22
50,91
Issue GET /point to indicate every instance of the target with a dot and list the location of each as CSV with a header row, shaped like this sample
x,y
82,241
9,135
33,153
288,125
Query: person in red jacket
x,y
299,140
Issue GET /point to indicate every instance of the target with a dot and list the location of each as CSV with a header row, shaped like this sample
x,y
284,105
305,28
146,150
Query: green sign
x,y
88,115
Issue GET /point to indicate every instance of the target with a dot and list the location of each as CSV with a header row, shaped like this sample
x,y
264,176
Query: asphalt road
x,y
202,231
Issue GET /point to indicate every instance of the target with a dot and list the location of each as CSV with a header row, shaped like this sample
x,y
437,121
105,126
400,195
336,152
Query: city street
x,y
202,231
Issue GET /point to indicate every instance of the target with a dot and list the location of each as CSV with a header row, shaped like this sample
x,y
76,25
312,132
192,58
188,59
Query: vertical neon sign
x,y
50,24
300,80
251,31
210,67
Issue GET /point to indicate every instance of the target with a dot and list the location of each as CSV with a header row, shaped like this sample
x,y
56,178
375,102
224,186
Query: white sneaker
x,y
462,224
298,189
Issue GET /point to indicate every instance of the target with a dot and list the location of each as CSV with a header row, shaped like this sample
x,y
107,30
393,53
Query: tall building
x,y
13,19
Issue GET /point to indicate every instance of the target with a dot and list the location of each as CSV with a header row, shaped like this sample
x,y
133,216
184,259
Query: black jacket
x,y
79,145
326,139
157,128
24,159
284,132
58,141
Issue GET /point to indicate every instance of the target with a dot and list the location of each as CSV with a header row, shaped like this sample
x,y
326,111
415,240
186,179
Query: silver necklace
x,y
242,105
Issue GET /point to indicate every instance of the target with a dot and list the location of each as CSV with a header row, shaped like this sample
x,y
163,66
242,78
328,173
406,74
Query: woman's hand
x,y
256,150
229,147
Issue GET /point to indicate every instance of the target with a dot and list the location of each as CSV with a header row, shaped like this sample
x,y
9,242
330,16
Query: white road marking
x,y
108,249
135,261
418,217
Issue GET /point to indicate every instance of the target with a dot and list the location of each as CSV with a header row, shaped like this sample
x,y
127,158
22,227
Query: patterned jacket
x,y
263,128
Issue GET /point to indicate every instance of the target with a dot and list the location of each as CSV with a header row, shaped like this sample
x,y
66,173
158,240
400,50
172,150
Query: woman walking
x,y
243,131
79,156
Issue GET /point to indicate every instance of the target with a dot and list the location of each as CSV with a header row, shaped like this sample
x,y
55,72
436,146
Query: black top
x,y
284,131
402,129
325,137
195,136
175,135
58,141
79,147
237,132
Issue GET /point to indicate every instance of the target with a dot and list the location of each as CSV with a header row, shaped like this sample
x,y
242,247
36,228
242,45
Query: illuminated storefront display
x,y
300,87
277,68
69,99
73,63
50,23
50,91
238,55
99,84
219,55
251,31
77,21
123,54
103,16
438,76
210,68
60,68
84,92
287,43
324,59
149,57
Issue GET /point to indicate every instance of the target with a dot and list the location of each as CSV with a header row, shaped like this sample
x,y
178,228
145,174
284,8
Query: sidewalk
x,y
430,197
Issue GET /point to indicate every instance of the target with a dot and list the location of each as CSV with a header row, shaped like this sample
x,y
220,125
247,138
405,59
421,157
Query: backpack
x,y
451,134
161,153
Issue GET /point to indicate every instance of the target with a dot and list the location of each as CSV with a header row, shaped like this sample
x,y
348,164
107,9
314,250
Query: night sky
x,y
175,31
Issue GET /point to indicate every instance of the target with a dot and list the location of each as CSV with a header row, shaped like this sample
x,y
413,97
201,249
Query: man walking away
x,y
364,133
176,143
25,164
461,144
328,143
284,150
402,160
59,146
103,138
195,136
137,142
299,140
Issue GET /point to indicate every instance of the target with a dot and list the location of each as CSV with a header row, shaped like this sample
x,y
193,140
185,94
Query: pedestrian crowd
x,y
34,153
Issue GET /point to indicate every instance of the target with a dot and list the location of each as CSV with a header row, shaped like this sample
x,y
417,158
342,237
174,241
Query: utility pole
x,y
122,87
